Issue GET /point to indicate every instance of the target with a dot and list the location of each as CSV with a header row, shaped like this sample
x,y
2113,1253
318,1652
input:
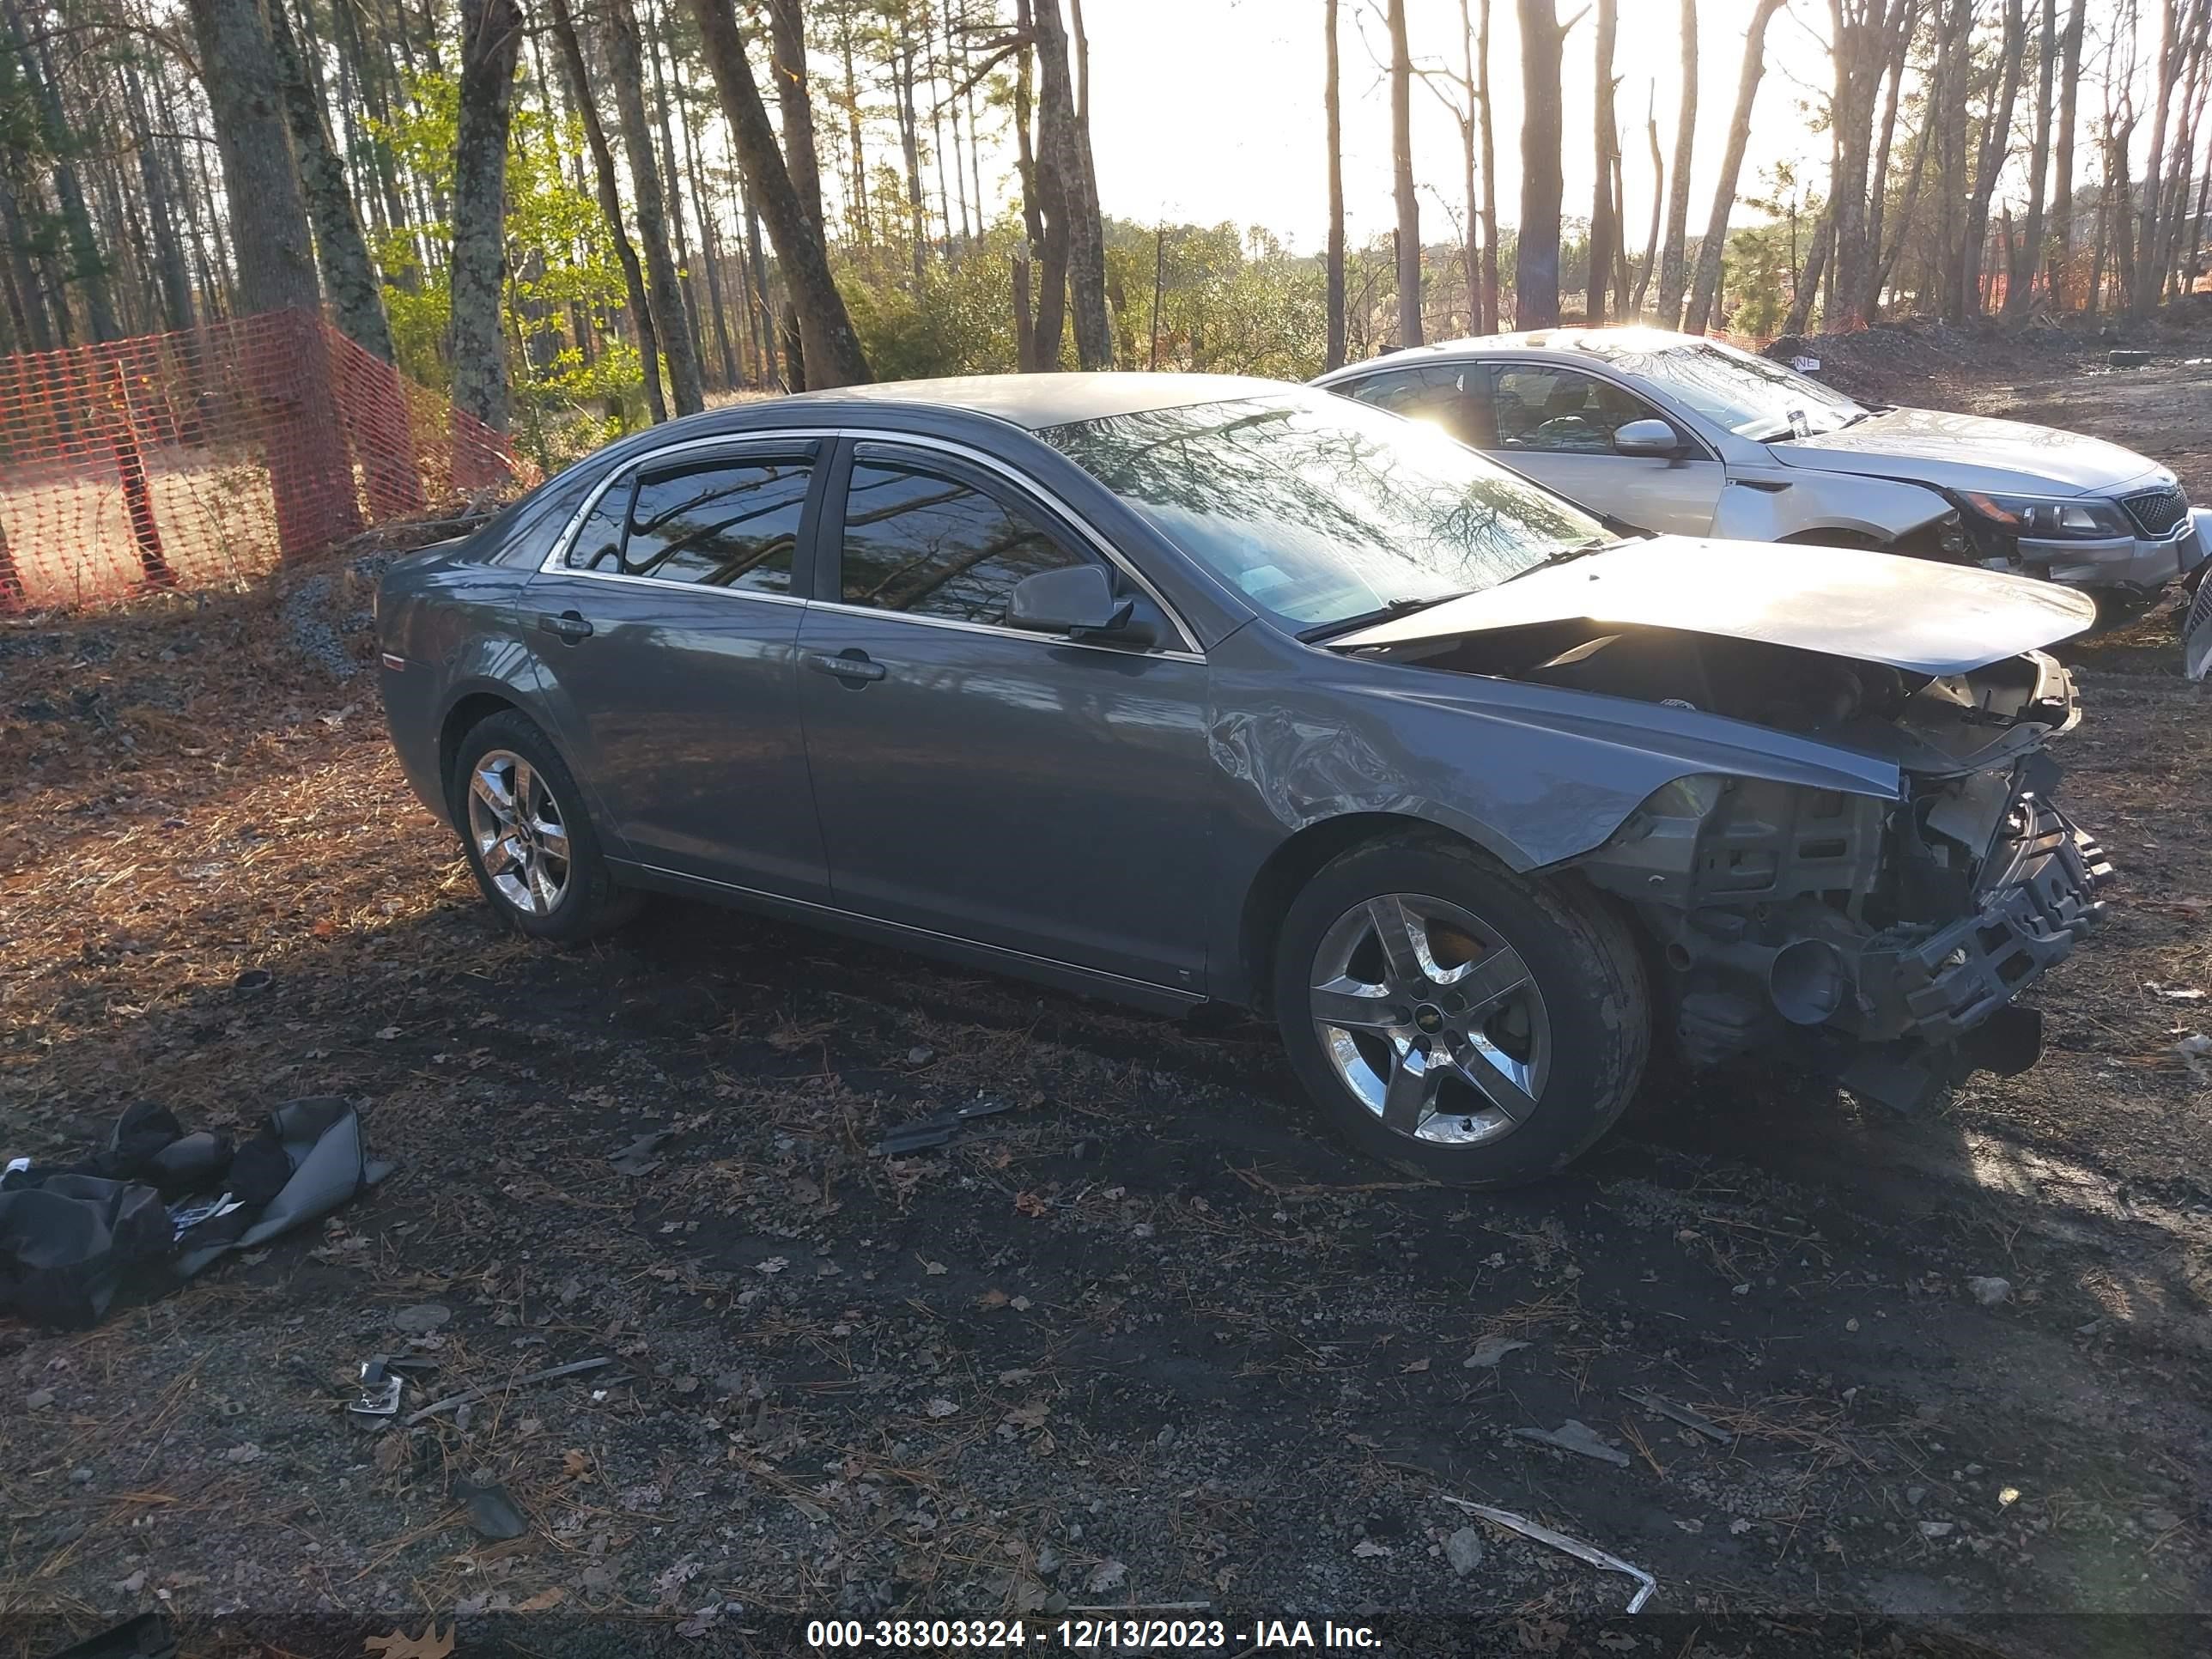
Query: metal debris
x,y
468,1394
1577,1436
1646,1585
1682,1414
640,1157
936,1131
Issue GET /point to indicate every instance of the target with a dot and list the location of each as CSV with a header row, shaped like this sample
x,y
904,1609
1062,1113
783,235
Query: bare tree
x,y
626,66
2148,274
1651,265
1673,258
1997,142
1706,283
1401,180
1333,115
1480,73
1536,263
1604,223
2060,255
2028,256
1064,152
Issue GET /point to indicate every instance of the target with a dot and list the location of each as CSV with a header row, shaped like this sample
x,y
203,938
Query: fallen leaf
x,y
385,1036
576,1464
1417,1365
992,1298
1108,1574
1029,1204
551,1597
1367,1546
775,1264
932,1268
400,1645
941,1407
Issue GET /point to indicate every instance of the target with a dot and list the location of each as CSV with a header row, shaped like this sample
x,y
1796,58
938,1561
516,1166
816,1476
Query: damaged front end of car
x,y
1883,942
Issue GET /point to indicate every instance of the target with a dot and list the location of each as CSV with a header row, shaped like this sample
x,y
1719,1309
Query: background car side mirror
x,y
1653,438
1078,601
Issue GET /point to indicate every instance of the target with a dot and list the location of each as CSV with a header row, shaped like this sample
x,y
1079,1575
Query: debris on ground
x,y
1682,1414
938,1130
642,1155
1558,1540
469,1396
1988,1290
491,1508
1488,1351
1579,1437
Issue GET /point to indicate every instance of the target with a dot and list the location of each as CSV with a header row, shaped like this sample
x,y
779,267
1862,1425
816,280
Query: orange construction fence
x,y
196,459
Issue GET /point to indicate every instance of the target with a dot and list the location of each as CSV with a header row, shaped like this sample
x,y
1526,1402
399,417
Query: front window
x,y
1318,509
1752,397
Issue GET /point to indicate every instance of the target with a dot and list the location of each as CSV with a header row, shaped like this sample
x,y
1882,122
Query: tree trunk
x,y
1064,151
1658,212
176,278
832,350
1466,140
1997,137
349,279
1334,116
859,206
1605,228
610,189
1866,301
2147,274
672,183
491,38
2028,256
711,245
1037,331
1490,318
1401,180
1705,286
1947,110
917,214
786,26
1536,265
310,474
664,292
1808,281
1674,273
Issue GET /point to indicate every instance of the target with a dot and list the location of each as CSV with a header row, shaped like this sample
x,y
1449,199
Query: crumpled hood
x,y
1969,451
1913,615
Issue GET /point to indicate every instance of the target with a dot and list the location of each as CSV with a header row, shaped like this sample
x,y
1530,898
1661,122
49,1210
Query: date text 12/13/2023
x,y
1086,1635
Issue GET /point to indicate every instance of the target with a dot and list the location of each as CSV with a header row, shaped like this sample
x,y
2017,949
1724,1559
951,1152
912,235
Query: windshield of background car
x,y
1317,510
1751,396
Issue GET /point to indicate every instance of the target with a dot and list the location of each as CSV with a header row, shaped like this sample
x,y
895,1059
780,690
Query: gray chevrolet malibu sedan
x,y
1177,689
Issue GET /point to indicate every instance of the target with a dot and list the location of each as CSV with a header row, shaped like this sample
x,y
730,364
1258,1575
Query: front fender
x,y
1769,504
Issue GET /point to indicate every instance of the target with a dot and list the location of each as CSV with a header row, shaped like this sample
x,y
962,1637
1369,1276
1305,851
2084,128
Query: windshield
x,y
1317,509
1752,397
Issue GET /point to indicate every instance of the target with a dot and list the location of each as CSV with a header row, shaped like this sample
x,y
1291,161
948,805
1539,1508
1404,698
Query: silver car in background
x,y
1679,434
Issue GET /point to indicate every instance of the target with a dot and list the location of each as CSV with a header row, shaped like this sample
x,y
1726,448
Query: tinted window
x,y
1453,397
719,524
1559,411
920,541
598,545
1319,508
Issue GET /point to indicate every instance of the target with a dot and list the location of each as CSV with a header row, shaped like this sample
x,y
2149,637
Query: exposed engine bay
x,y
1881,938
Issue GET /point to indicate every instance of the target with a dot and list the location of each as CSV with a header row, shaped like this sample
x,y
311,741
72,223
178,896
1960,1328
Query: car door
x,y
668,631
1025,791
1556,424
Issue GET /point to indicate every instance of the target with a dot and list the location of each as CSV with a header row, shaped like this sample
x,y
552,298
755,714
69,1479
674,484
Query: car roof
x,y
1034,401
1559,342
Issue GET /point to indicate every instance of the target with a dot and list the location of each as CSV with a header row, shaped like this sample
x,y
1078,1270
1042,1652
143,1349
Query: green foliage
x,y
1756,280
561,260
1229,302
959,321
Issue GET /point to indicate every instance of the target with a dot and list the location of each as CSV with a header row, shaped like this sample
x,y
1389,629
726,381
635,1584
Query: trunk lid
x,y
1912,614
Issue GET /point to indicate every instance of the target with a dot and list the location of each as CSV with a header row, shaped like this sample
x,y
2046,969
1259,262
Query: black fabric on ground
x,y
70,1238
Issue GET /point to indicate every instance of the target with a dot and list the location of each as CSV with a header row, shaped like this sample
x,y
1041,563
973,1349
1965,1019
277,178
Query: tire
x,y
1565,1043
533,887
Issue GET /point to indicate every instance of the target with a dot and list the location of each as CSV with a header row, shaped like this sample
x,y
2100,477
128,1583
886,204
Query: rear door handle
x,y
570,625
854,665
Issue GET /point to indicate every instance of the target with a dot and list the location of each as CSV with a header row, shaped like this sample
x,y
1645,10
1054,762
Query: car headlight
x,y
2051,518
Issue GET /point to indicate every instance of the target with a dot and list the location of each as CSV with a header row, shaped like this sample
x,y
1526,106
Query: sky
x,y
1208,111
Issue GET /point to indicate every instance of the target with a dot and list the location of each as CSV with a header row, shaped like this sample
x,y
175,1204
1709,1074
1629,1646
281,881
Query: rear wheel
x,y
529,842
1457,1021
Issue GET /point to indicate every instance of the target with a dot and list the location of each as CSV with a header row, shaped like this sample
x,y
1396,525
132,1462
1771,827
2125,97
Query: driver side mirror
x,y
1078,601
1652,438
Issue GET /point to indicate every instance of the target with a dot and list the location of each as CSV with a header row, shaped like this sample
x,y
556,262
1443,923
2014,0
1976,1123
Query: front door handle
x,y
854,665
570,625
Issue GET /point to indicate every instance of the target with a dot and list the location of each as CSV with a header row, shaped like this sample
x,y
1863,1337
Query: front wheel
x,y
1455,1020
530,843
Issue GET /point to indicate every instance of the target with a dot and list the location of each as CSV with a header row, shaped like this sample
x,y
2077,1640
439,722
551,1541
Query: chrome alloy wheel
x,y
519,831
1431,1019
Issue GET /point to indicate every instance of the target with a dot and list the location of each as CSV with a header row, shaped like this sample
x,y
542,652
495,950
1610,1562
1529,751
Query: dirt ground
x,y
1146,1341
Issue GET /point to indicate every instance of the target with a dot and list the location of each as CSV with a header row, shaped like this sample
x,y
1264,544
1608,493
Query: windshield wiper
x,y
1390,612
1579,551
